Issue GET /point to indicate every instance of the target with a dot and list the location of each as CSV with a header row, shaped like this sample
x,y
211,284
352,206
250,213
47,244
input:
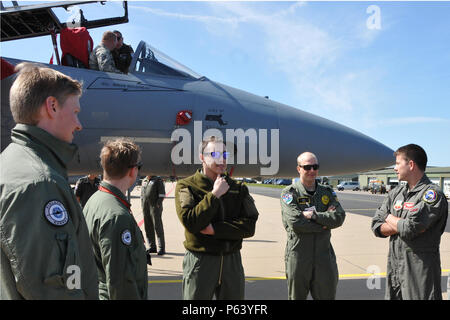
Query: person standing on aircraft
x,y
86,187
152,196
101,57
117,241
122,54
45,248
414,217
217,212
309,211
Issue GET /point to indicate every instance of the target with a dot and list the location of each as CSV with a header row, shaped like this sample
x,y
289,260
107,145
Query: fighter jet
x,y
167,109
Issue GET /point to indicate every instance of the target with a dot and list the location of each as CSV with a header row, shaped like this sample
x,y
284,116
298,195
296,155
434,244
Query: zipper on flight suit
x,y
220,270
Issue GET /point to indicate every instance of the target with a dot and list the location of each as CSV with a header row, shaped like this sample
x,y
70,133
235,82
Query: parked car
x,y
348,185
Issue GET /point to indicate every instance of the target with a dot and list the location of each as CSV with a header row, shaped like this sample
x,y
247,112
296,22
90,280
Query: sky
x,y
381,68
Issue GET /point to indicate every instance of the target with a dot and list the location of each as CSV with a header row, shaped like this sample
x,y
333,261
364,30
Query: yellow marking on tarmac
x,y
341,276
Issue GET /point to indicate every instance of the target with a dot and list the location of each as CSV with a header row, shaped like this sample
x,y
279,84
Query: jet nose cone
x,y
340,149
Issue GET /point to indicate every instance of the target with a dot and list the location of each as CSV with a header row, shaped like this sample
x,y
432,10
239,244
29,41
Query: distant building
x,y
437,175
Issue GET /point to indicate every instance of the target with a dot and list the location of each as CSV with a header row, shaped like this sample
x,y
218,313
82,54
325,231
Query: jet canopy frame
x,y
148,59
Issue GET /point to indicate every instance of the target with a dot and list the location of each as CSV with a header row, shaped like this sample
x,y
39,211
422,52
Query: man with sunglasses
x,y
117,241
217,212
122,54
309,211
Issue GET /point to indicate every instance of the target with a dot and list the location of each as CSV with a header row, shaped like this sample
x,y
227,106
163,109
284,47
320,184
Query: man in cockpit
x,y
122,54
101,57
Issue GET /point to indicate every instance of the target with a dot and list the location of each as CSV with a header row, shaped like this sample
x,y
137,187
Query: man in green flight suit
x,y
117,241
152,196
217,213
45,248
414,217
309,211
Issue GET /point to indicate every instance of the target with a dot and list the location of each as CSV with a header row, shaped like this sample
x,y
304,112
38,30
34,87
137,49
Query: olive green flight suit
x,y
212,264
152,196
414,263
45,248
309,257
118,246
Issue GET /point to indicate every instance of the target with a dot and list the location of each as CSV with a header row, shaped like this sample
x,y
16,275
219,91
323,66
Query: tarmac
x,y
361,257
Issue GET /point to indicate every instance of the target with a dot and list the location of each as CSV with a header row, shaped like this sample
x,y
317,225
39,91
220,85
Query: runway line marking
x,y
341,276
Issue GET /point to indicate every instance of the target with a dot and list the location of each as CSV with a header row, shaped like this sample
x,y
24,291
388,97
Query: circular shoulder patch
x,y
126,237
56,213
325,199
429,196
287,198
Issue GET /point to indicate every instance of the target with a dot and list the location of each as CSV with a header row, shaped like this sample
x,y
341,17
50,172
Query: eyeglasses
x,y
308,167
138,165
218,154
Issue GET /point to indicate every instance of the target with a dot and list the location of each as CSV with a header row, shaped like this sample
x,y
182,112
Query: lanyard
x,y
125,203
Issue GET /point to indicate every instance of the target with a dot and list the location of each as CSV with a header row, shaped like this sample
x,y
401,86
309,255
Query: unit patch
x,y
325,199
287,198
398,205
126,237
56,213
430,196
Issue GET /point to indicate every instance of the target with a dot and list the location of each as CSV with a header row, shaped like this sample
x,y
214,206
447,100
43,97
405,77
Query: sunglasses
x,y
138,165
218,154
308,167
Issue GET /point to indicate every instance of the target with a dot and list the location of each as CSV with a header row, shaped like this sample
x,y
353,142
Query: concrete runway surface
x,y
359,253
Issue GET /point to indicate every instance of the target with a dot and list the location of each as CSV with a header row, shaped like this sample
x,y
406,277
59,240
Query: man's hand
x,y
220,187
209,230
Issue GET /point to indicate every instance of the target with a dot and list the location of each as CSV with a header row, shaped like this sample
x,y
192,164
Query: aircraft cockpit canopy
x,y
148,59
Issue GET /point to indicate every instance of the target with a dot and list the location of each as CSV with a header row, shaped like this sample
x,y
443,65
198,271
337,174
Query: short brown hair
x,y
415,153
118,156
33,85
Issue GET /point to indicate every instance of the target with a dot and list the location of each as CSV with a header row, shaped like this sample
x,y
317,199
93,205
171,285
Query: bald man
x,y
309,211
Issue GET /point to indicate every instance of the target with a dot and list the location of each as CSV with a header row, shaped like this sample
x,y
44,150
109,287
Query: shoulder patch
x,y
429,196
126,237
325,199
287,197
56,213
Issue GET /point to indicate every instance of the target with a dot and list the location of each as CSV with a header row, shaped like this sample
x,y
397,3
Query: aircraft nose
x,y
339,149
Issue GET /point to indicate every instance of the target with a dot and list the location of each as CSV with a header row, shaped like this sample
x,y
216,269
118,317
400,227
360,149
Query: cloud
x,y
308,51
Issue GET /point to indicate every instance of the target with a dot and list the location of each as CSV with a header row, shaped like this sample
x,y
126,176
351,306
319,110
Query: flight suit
x,y
152,196
102,59
84,189
122,57
46,252
414,265
212,264
309,256
118,246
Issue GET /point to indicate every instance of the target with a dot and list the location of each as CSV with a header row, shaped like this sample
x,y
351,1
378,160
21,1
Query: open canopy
x,y
20,22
